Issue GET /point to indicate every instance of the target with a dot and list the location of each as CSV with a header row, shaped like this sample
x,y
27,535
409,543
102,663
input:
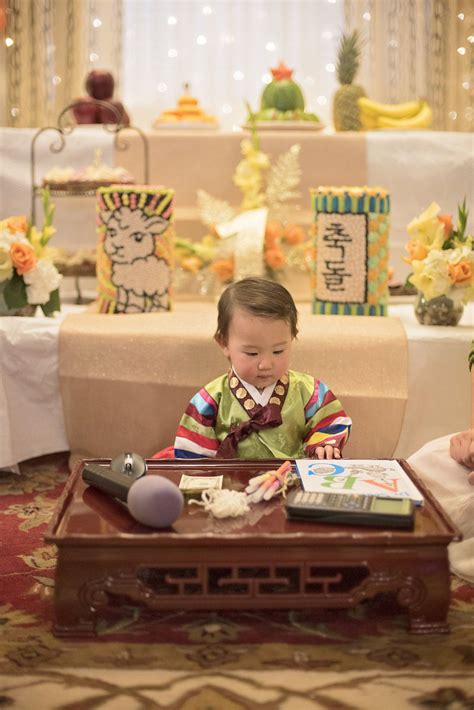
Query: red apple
x,y
107,115
100,84
85,110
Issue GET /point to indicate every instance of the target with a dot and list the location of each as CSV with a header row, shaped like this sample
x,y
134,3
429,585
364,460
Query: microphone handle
x,y
107,480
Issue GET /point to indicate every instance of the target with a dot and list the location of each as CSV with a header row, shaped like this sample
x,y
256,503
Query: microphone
x,y
151,499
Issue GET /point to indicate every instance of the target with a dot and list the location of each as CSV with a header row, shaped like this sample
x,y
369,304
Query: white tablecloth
x,y
31,414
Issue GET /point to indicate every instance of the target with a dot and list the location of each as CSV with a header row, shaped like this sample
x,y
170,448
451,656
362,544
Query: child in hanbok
x,y
260,408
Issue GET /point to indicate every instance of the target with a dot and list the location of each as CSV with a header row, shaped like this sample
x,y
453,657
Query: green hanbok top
x,y
223,420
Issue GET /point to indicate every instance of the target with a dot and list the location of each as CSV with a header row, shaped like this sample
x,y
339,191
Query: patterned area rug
x,y
360,659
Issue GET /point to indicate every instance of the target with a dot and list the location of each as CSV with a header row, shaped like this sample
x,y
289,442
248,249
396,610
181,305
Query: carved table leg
x,y
427,598
72,617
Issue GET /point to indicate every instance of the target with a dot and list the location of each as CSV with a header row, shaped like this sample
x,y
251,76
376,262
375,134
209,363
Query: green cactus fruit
x,y
282,93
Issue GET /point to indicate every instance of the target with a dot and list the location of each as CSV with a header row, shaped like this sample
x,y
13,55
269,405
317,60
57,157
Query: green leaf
x,y
14,292
448,244
54,304
463,213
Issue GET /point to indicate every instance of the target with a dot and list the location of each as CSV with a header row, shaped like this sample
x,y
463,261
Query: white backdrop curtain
x,y
224,50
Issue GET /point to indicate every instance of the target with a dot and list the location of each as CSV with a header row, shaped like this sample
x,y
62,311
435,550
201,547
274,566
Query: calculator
x,y
351,509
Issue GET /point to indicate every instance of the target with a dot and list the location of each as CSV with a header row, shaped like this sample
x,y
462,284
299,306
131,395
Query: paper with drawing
x,y
378,477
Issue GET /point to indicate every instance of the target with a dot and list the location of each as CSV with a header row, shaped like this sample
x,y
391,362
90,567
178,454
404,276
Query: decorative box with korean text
x,y
351,250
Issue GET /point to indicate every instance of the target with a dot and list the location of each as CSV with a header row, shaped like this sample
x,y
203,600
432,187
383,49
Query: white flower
x,y
7,238
41,281
463,253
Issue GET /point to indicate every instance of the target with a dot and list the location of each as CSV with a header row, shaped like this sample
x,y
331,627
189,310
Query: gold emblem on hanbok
x,y
233,382
249,404
279,389
284,379
275,400
241,393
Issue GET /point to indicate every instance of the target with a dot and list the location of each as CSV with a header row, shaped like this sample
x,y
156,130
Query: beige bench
x,y
126,379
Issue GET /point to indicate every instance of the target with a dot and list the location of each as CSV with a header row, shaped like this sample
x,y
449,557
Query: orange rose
x,y
460,273
294,234
273,232
23,257
275,258
17,224
447,220
416,250
223,268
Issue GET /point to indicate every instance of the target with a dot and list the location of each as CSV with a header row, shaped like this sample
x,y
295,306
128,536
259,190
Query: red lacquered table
x,y
260,560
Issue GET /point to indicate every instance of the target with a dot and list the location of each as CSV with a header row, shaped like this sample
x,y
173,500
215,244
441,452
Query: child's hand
x,y
328,452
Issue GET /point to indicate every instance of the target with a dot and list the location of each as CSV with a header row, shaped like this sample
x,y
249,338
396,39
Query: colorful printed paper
x,y
351,250
376,477
135,248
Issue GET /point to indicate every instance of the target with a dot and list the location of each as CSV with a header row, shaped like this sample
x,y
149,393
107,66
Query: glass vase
x,y
442,310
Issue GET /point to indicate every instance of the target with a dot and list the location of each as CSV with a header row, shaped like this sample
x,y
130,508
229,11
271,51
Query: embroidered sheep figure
x,y
140,276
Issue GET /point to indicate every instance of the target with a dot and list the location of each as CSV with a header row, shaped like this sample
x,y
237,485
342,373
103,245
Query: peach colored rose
x,y
23,257
416,250
273,232
17,224
460,273
447,220
223,268
275,258
294,234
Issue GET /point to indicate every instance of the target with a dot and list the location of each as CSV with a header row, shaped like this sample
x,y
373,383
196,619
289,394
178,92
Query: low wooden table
x,y
258,561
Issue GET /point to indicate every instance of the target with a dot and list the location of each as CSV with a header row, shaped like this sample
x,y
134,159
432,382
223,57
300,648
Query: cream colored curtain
x,y
52,44
419,48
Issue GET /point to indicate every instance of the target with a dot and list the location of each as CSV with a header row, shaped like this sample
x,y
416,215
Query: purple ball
x,y
155,501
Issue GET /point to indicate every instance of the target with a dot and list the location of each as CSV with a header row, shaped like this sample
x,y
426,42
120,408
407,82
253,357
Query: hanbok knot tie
x,y
263,418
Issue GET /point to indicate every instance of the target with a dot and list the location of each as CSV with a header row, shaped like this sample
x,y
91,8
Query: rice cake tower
x,y
351,250
135,248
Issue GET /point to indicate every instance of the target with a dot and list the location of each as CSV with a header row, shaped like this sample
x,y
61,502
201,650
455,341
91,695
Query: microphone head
x,y
155,501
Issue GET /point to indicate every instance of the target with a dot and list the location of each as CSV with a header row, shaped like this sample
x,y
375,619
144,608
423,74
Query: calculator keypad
x,y
336,501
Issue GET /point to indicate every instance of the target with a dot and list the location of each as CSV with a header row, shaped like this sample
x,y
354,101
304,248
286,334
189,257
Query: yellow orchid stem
x,y
253,127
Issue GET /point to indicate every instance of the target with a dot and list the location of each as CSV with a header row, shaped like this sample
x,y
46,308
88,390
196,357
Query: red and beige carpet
x,y
360,659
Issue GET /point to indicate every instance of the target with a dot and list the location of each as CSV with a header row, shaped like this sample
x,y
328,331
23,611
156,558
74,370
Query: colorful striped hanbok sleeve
x,y
195,437
326,421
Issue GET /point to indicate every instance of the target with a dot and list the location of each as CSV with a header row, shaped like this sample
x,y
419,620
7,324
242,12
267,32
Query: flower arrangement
x,y
262,184
441,255
28,276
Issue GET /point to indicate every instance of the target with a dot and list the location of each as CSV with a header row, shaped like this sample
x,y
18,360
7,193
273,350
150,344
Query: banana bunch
x,y
410,115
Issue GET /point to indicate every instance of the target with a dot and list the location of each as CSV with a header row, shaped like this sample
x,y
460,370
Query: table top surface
x,y
86,516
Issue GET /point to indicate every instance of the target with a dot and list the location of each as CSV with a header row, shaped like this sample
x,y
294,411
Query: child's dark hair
x,y
260,297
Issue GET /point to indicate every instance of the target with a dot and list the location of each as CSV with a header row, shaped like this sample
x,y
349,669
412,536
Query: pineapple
x,y
346,112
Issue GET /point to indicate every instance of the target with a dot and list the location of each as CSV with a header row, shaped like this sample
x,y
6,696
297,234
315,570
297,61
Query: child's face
x,y
258,348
